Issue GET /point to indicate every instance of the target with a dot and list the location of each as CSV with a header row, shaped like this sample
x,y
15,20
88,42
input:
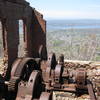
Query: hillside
x,y
79,44
77,40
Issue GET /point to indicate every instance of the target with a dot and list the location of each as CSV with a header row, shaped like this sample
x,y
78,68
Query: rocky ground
x,y
69,96
1,66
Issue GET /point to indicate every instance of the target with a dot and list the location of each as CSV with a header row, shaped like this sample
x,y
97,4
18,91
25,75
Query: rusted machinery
x,y
36,79
25,82
34,76
57,78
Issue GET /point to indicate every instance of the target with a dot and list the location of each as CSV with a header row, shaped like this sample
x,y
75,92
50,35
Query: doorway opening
x,y
21,39
1,42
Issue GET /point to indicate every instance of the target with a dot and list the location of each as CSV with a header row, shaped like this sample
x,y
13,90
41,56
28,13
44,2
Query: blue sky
x,y
68,9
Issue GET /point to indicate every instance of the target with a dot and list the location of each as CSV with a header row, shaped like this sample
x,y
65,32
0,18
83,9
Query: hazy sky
x,y
68,9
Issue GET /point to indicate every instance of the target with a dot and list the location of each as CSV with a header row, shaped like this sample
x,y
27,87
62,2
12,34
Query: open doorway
x,y
1,42
21,39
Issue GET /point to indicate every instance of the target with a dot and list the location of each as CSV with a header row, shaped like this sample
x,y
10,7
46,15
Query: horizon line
x,y
71,18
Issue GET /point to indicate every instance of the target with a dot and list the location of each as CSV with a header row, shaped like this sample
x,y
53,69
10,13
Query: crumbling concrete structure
x,y
34,26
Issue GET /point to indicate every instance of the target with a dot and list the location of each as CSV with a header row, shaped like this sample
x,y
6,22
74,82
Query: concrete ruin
x,y
34,28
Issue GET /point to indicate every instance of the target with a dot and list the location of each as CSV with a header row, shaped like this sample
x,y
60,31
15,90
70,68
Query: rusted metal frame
x,y
64,88
18,72
71,90
42,52
59,69
29,90
51,63
52,60
19,65
10,46
91,91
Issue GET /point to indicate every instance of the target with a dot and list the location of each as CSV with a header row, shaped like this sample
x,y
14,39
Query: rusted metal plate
x,y
15,66
80,78
23,67
61,59
58,72
34,84
26,62
51,60
43,52
22,89
21,70
32,88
